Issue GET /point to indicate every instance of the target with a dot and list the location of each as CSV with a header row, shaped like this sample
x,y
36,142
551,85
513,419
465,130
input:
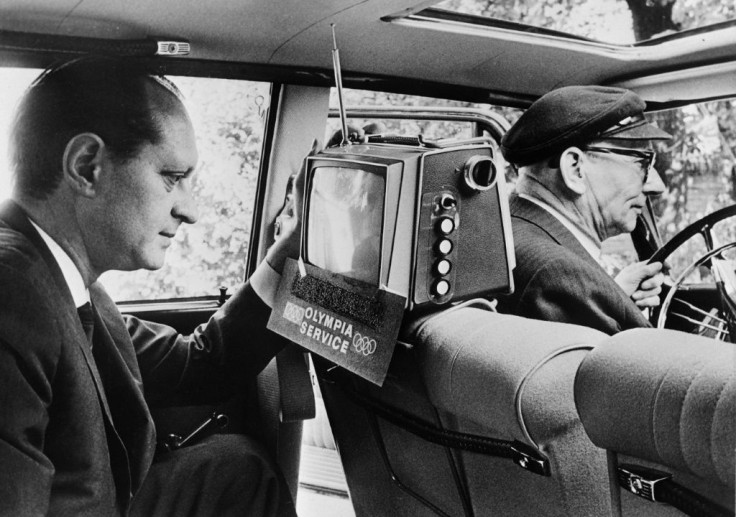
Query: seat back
x,y
666,400
470,374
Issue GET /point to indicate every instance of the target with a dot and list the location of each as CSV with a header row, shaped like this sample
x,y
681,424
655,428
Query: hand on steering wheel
x,y
642,282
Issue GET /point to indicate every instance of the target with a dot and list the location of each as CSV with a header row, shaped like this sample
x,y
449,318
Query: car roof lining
x,y
381,48
325,78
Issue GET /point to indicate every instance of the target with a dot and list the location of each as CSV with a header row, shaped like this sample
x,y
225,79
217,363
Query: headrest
x,y
501,371
664,396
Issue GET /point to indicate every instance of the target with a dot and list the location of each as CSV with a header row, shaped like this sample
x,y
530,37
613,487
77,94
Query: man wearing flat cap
x,y
586,165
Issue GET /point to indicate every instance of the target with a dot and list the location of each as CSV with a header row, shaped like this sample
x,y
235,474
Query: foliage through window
x,y
698,166
619,22
228,121
229,125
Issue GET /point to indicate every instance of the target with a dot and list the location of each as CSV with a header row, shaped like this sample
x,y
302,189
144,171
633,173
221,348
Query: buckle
x,y
641,481
529,459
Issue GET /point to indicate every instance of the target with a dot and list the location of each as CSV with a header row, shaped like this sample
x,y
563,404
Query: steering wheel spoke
x,y
707,234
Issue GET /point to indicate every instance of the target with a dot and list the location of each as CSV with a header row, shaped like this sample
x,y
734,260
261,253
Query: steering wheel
x,y
721,322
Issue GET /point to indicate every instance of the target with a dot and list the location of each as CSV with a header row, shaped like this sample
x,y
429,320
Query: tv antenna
x,y
338,84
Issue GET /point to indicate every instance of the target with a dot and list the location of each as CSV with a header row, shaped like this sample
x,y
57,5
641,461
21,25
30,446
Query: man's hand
x,y
357,134
288,240
642,282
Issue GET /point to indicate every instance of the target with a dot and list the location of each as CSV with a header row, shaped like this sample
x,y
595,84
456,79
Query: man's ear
x,y
571,169
82,163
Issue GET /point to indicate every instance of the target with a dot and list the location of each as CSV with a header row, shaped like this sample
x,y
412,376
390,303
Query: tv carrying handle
x,y
419,141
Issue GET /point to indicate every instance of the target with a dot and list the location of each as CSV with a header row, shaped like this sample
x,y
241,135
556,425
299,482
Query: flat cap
x,y
576,115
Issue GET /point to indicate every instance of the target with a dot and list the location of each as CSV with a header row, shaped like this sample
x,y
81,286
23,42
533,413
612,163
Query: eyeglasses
x,y
645,159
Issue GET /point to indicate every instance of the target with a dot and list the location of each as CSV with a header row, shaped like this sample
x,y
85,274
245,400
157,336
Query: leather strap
x,y
523,455
285,390
658,486
295,386
689,502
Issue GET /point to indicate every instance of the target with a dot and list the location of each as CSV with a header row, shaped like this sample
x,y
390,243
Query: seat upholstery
x,y
476,372
512,378
663,399
488,367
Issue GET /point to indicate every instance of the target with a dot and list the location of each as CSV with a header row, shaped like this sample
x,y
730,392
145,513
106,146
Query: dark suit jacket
x,y
556,279
76,435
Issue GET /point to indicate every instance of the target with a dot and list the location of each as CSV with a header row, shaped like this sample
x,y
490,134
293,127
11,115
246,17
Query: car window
x,y
228,116
431,128
698,168
14,81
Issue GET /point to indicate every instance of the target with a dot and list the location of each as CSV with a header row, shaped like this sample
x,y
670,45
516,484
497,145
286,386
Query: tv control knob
x,y
444,246
446,225
447,201
441,287
442,267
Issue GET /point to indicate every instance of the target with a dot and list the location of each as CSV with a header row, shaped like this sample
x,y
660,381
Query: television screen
x,y
345,221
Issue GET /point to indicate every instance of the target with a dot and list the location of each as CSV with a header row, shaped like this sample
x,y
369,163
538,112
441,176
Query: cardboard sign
x,y
353,325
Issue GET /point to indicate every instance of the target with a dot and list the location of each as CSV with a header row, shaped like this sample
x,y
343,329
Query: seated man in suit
x,y
585,166
103,157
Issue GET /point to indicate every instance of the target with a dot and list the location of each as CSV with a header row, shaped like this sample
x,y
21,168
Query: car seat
x,y
476,417
663,404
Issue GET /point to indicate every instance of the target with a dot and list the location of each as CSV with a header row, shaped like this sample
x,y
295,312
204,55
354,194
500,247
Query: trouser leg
x,y
223,475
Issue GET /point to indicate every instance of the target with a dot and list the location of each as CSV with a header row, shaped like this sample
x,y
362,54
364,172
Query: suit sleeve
x,y
218,358
27,364
574,292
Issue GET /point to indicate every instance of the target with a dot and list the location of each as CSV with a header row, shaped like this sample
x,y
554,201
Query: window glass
x,y
228,121
14,81
431,129
698,166
619,22
608,22
698,169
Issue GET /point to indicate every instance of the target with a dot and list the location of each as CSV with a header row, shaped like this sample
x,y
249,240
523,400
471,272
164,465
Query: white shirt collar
x,y
587,243
73,277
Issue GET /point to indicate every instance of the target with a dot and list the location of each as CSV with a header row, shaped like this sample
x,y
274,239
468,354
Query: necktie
x,y
86,316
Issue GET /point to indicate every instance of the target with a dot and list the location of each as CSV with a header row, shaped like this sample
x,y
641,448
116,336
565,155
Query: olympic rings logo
x,y
364,344
294,313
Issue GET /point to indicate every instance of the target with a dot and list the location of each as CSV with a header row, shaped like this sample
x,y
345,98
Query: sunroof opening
x,y
617,22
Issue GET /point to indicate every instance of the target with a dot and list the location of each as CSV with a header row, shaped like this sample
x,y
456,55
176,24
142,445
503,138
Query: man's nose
x,y
185,208
654,185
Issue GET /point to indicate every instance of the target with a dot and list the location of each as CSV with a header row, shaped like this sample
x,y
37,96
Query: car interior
x,y
475,412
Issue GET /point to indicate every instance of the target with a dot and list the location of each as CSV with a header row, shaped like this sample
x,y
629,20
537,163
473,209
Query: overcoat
x,y
556,279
